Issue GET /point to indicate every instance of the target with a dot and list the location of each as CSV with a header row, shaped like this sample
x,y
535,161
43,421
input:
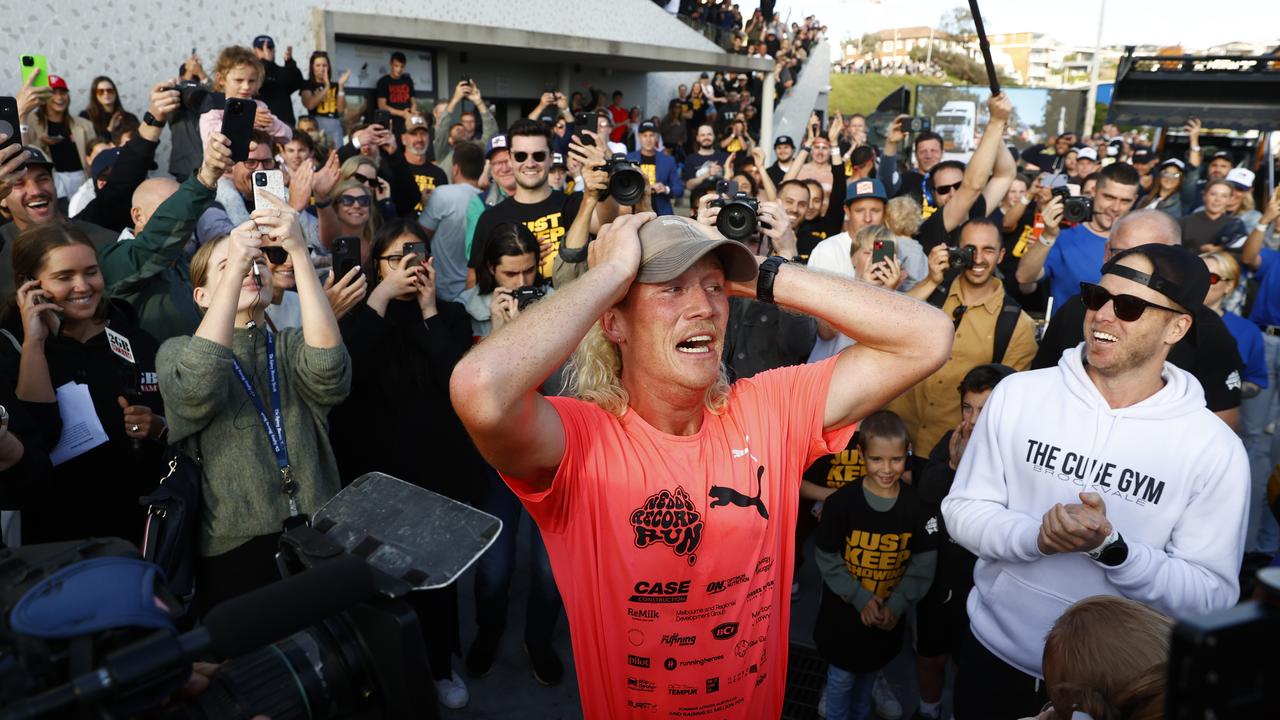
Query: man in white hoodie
x,y
1105,475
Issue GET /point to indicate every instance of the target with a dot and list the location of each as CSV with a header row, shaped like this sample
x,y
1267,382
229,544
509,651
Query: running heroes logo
x,y
669,518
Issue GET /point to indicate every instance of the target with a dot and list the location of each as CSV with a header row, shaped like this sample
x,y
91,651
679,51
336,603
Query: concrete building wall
x,y
139,45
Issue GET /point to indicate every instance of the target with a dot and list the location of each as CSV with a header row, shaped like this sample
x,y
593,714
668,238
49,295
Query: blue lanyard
x,y
275,431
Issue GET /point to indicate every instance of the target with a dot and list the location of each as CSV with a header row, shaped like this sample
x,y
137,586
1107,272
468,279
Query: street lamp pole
x,y
1092,100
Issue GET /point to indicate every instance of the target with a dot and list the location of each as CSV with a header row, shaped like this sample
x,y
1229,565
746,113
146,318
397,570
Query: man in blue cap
x,y
864,205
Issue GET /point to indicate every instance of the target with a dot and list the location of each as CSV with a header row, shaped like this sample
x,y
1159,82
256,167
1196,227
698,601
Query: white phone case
x,y
273,182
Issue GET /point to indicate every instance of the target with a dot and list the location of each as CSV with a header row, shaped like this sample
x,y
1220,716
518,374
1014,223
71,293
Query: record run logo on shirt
x,y
670,519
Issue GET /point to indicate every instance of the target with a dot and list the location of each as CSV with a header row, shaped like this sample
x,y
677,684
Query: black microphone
x,y
233,628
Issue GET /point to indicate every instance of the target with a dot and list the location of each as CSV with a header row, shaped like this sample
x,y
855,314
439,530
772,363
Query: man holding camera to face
x,y
990,327
1065,258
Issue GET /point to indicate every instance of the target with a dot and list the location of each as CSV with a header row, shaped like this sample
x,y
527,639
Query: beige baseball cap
x,y
671,244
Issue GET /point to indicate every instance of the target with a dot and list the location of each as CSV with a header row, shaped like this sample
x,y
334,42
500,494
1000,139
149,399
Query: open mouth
x,y
81,301
696,345
1106,338
40,202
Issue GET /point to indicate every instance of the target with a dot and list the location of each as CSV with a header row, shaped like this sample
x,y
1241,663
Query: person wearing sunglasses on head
x,y
1209,353
962,192
1104,475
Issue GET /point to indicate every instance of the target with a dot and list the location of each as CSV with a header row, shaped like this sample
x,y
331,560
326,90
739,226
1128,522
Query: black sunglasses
x,y
371,180
947,189
538,156
1126,307
349,200
275,254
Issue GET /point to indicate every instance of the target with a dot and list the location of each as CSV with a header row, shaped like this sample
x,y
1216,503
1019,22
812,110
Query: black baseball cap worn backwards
x,y
1176,273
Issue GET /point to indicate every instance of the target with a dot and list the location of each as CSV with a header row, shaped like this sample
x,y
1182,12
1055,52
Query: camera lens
x,y
28,61
626,185
736,221
260,180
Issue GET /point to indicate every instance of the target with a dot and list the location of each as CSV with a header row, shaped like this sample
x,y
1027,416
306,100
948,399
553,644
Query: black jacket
x,y
96,493
398,418
278,86
110,207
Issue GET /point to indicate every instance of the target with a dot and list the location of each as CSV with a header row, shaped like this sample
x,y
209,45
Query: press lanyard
x,y
275,431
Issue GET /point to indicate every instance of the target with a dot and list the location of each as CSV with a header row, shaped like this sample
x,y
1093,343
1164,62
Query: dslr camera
x,y
960,258
528,295
739,212
1075,208
917,124
626,182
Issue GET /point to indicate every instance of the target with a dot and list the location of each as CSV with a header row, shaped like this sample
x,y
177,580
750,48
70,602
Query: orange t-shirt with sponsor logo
x,y
674,553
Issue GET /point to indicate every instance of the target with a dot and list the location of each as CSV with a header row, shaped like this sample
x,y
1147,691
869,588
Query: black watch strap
x,y
151,120
764,280
573,255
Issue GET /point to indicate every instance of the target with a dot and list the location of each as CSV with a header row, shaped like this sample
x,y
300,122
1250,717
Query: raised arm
x,y
1031,266
1251,253
319,326
978,171
495,387
899,341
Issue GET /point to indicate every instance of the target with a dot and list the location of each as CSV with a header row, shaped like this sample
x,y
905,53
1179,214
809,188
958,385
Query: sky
x,y
1128,22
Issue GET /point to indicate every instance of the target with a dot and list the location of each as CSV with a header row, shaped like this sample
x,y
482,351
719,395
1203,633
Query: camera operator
x,y
962,192
510,264
103,427
1210,353
990,327
257,472
762,336
1085,447
1065,258
665,185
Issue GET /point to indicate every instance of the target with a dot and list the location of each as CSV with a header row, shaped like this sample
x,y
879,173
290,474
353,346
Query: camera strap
x,y
275,430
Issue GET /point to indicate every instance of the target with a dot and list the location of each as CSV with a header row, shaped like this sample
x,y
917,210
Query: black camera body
x,y
528,295
1075,208
739,212
917,124
960,258
626,182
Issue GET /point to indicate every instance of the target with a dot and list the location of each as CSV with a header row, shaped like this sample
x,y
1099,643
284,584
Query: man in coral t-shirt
x,y
667,498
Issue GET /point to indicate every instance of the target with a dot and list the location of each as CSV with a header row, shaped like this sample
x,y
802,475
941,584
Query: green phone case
x,y
40,64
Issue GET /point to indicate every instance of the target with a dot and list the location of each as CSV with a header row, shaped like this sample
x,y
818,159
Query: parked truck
x,y
957,123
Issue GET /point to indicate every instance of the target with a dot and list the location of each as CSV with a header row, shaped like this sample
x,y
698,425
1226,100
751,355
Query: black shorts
x,y
941,620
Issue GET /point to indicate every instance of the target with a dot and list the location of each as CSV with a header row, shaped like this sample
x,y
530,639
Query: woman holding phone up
x,y
404,343
252,404
80,367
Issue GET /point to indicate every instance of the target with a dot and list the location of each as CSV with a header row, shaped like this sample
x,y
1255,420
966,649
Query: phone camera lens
x,y
28,60
260,180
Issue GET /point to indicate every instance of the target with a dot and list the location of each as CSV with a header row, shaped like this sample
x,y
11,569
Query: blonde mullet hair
x,y
594,374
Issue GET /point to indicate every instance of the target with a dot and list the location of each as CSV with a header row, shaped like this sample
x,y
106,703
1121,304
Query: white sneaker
x,y
452,692
822,703
887,705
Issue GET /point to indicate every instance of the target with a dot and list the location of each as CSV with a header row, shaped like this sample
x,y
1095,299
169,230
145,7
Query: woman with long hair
x,y
1166,194
325,99
81,368
350,214
510,262
105,110
404,343
365,170
251,404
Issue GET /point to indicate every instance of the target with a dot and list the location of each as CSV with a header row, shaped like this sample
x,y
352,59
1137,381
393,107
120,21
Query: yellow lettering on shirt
x,y
877,560
547,229
650,172
846,466
424,182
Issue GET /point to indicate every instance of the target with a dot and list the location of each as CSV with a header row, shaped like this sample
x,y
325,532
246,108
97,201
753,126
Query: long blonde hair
x,y
594,374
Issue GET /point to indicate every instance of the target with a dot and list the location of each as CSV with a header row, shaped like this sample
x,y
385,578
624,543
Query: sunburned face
x,y
672,333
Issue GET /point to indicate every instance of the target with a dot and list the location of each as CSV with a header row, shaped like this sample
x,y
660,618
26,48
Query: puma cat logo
x,y
728,496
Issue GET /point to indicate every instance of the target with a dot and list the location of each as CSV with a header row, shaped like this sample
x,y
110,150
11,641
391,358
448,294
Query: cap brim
x,y
738,262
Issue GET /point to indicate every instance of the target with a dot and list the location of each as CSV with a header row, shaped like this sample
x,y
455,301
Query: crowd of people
x,y
862,367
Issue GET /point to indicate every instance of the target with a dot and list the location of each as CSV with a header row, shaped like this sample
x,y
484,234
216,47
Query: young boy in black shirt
x,y
876,550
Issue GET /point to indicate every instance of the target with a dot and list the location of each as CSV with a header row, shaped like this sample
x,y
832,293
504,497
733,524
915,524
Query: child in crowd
x,y
876,550
239,74
1107,657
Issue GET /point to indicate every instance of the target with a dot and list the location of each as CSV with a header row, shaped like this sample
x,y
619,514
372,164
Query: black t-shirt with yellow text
x,y
876,546
548,220
839,468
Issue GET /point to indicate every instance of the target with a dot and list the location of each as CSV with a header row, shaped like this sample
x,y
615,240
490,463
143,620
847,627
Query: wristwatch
x,y
151,120
764,279
1112,552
